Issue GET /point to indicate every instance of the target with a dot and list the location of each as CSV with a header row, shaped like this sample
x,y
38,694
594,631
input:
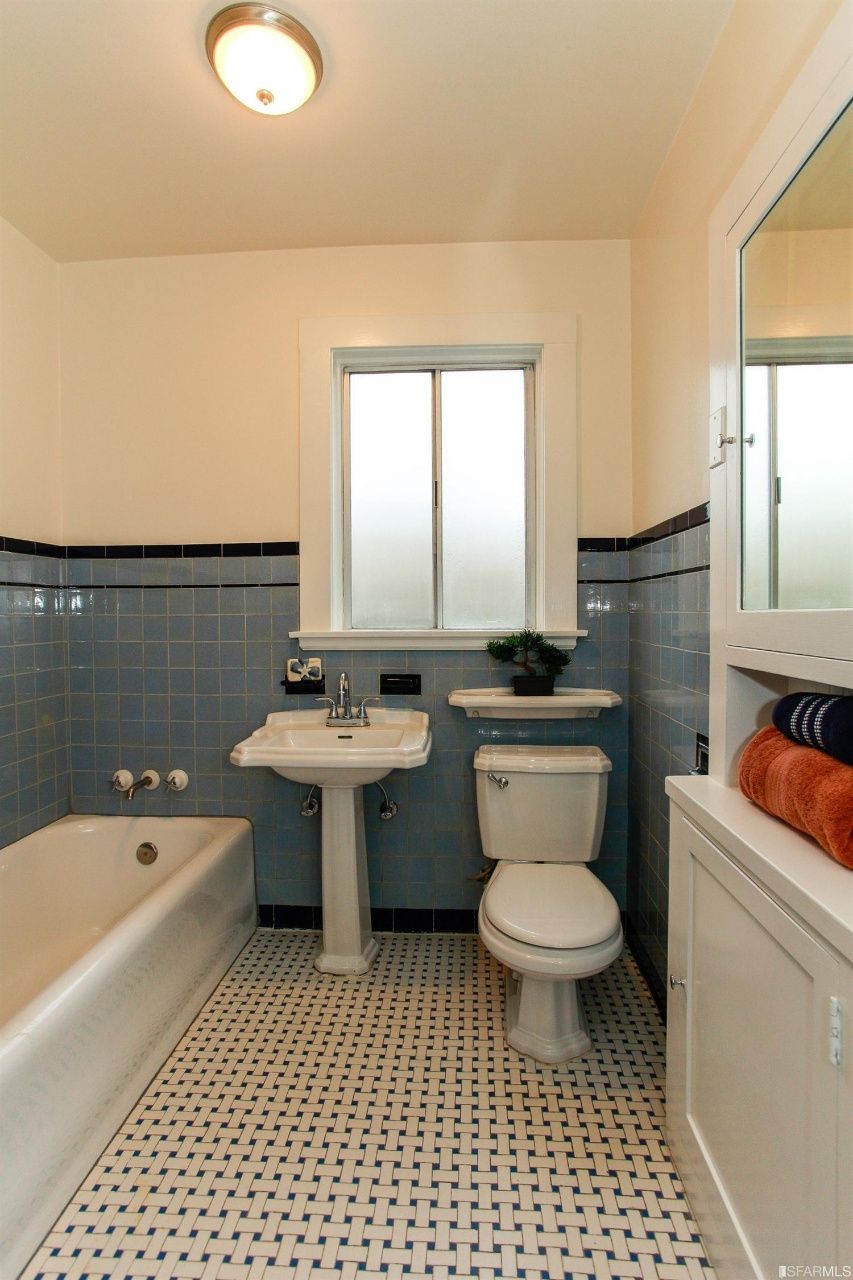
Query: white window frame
x,y
435,362
326,346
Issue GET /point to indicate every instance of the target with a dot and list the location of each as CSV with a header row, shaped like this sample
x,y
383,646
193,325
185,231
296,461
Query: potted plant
x,y
541,660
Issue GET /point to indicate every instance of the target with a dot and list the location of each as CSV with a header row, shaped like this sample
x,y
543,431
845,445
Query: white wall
x,y
30,501
180,374
799,284
760,51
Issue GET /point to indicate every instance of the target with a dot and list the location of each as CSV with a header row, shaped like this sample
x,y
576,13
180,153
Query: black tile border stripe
x,y
382,919
665,529
164,586
671,573
188,550
148,551
141,586
645,577
23,546
603,544
691,519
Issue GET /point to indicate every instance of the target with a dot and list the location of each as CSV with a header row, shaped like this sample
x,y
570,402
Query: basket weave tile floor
x,y
309,1126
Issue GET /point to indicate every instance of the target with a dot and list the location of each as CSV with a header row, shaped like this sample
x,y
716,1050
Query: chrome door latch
x,y
719,437
835,1031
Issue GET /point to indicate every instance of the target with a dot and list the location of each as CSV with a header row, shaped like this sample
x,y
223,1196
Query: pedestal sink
x,y
340,758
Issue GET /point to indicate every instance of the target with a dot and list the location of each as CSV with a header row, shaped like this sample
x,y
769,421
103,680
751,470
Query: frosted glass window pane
x,y
483,498
814,410
391,500
757,488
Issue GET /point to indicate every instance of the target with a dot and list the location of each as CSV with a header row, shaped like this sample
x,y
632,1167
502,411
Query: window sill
x,y
566,638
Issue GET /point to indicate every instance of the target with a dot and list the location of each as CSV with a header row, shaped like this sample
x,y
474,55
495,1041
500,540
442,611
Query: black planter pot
x,y
533,686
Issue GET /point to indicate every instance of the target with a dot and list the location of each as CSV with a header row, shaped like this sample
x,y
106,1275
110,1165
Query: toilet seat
x,y
548,963
547,905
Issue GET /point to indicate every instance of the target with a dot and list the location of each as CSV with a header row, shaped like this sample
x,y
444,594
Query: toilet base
x,y
545,1019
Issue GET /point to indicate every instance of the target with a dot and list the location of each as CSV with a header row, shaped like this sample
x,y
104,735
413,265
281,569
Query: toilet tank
x,y
547,804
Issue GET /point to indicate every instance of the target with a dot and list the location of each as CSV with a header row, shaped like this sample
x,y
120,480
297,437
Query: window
x,y
435,497
797,395
437,462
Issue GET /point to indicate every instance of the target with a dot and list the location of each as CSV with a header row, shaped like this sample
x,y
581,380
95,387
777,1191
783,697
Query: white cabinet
x,y
759,1097
760,1092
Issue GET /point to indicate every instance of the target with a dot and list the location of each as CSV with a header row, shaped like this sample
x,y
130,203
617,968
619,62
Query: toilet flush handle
x,y
503,783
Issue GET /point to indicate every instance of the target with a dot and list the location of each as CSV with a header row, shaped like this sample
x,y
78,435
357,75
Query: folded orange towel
x,y
805,788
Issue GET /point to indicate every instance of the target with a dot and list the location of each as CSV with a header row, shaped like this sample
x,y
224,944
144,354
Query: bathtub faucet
x,y
147,782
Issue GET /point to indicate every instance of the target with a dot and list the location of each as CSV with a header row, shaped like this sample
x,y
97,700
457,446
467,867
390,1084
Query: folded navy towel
x,y
820,720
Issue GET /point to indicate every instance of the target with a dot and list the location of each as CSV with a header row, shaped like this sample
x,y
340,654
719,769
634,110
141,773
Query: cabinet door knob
x,y
677,982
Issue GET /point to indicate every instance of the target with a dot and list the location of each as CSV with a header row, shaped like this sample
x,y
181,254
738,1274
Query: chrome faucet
x,y
340,707
343,706
148,780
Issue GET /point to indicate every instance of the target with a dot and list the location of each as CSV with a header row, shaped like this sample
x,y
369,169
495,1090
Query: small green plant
x,y
530,651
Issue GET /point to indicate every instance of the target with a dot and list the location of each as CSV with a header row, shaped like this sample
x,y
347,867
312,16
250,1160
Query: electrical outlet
x,y
406,683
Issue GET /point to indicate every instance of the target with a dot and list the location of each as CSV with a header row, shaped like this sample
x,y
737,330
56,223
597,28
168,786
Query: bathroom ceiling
x,y
436,121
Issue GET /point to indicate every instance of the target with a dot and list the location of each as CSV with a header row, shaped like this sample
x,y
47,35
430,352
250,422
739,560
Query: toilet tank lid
x,y
530,759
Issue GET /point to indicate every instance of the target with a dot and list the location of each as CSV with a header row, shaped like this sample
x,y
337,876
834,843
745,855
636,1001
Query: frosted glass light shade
x,y
266,59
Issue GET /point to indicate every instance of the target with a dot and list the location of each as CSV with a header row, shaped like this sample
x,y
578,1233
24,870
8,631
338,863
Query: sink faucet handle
x,y
333,706
368,697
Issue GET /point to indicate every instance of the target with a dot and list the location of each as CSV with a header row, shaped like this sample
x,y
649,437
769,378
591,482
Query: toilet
x,y
544,914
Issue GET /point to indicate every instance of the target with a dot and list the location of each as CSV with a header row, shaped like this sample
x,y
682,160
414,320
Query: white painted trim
x,y
357,640
831,671
753,653
552,340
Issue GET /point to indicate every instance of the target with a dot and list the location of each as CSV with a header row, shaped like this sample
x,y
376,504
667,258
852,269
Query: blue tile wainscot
x,y
166,657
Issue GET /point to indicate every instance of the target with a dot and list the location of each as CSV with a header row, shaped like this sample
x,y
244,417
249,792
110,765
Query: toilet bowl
x,y
544,915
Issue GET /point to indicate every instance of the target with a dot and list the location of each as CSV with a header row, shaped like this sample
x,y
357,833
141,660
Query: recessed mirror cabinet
x,y
796,442
784,393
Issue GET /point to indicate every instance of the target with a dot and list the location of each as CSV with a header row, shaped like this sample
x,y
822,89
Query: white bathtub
x,y
104,963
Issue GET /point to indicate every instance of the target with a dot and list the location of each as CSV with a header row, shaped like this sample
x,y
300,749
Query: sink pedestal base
x,y
348,944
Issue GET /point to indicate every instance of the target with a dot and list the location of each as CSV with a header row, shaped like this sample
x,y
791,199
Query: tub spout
x,y
147,782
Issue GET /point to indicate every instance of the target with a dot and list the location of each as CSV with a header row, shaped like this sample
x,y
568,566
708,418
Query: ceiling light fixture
x,y
265,58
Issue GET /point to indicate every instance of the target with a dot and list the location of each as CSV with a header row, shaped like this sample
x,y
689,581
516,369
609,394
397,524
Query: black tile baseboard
x,y
382,919
273,916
